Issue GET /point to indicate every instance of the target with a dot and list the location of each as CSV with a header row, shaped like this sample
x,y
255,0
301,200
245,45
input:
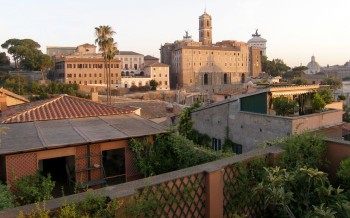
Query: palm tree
x,y
111,53
104,37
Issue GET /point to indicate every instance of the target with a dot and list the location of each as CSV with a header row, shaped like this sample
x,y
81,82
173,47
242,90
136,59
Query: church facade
x,y
207,67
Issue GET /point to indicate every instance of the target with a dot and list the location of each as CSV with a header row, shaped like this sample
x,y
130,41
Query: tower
x,y
205,29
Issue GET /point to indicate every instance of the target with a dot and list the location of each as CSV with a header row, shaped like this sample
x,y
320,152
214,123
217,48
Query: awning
x,y
296,92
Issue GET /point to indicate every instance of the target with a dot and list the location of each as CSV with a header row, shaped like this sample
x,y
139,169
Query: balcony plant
x,y
318,103
284,106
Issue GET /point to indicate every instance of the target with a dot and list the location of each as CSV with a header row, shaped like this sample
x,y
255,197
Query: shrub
x,y
341,97
6,197
283,106
317,102
326,95
153,84
34,188
306,149
344,172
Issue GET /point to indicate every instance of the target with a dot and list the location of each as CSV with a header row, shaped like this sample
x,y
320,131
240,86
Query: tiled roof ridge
x,y
31,109
80,112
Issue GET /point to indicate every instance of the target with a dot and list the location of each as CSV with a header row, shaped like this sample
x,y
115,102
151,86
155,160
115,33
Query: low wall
x,y
337,150
200,191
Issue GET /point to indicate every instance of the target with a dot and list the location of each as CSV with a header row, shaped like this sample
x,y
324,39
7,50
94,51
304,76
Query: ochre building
x,y
207,67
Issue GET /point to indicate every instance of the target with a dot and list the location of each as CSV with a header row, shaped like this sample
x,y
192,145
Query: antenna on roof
x,y
205,6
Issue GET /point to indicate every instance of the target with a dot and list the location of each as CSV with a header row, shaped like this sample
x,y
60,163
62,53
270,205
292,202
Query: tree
x,y
283,106
111,53
26,54
326,95
334,82
318,102
299,81
4,60
276,67
104,39
153,83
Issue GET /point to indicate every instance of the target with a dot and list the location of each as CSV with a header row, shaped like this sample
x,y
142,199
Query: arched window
x,y
225,78
208,23
205,79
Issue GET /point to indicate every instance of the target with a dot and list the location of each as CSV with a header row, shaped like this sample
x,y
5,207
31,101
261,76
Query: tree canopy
x,y
276,67
4,60
26,54
333,82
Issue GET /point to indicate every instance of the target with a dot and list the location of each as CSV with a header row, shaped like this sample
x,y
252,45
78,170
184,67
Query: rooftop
x,y
38,135
128,53
61,107
11,94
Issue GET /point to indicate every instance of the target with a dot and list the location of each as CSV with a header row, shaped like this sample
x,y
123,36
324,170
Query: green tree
x,y
326,95
153,83
111,53
334,82
317,102
283,106
276,67
4,60
26,54
299,81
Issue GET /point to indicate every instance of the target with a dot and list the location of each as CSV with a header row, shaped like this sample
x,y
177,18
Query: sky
x,y
294,30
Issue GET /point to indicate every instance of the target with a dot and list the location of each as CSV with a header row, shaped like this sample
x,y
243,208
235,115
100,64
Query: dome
x,y
257,39
313,66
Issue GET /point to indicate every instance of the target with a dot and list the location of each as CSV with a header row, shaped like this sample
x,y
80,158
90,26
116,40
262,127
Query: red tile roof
x,y
61,107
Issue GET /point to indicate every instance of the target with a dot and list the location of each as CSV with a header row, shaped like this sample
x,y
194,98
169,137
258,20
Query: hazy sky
x,y
294,29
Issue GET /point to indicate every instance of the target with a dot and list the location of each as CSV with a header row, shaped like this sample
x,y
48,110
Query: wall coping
x,y
292,118
129,188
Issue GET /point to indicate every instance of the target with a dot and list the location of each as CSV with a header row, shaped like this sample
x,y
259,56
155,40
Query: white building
x,y
313,66
132,63
259,42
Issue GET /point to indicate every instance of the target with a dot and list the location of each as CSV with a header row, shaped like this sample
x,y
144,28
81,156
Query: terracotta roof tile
x,y
61,107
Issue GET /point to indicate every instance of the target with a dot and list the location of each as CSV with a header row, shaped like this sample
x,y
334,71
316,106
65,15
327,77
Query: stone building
x,y
59,50
207,67
86,67
160,73
259,42
249,120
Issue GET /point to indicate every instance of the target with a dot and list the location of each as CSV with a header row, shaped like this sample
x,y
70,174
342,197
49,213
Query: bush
x,y
344,172
341,97
283,106
326,95
7,199
306,149
34,188
153,84
170,152
317,102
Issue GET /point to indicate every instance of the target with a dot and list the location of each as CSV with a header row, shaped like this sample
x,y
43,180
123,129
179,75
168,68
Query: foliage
x,y
27,55
199,138
7,199
343,173
306,149
317,102
185,123
139,88
275,67
170,152
334,82
301,192
34,188
346,115
341,97
283,106
299,81
296,72
326,95
4,60
153,84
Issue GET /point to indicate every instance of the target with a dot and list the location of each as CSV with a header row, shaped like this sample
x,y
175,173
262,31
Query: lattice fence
x,y
184,197
238,195
131,169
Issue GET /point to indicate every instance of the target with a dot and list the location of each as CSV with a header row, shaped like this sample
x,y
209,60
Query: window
x,y
100,81
69,65
160,75
237,148
160,83
135,66
154,75
206,79
89,65
166,83
216,144
69,75
112,82
100,75
225,78
166,75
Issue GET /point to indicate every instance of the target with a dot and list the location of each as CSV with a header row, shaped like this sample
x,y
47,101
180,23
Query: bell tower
x,y
205,29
